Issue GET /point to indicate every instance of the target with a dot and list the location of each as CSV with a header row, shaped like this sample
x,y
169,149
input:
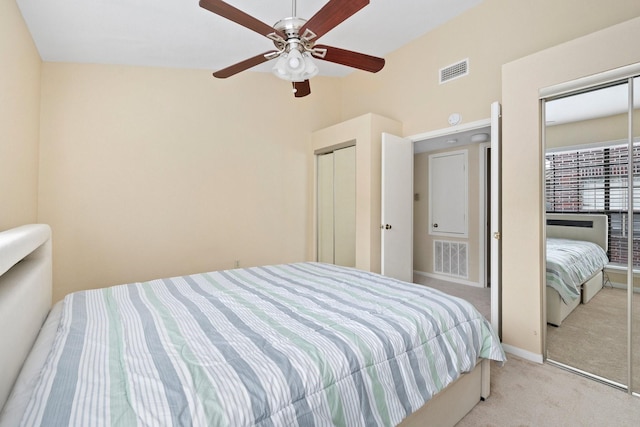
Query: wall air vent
x,y
454,71
450,258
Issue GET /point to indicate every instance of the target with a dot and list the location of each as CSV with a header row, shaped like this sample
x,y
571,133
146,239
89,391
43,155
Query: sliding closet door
x,y
587,172
634,291
337,207
592,165
344,190
618,188
325,208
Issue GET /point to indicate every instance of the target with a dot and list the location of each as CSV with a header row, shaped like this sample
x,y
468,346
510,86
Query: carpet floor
x,y
593,338
479,297
524,393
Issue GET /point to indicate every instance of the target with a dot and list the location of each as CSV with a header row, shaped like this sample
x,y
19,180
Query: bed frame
x,y
25,301
587,227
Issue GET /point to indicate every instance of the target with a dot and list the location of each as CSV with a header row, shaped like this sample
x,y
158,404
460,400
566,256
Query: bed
x,y
575,258
294,344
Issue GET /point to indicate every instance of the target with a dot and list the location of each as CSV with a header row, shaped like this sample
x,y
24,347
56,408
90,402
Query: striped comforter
x,y
570,263
298,344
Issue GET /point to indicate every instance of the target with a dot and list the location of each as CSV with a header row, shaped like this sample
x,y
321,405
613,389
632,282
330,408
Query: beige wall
x,y
522,207
151,172
422,240
19,119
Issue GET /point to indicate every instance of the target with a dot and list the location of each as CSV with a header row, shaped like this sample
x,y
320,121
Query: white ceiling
x,y
181,34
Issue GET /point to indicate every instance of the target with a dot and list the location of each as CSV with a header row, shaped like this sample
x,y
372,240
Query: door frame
x,y
484,205
484,124
493,123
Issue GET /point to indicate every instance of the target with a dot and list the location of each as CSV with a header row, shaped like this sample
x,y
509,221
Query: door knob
x,y
435,225
386,227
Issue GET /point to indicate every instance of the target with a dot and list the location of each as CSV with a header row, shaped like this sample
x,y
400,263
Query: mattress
x,y
296,344
570,263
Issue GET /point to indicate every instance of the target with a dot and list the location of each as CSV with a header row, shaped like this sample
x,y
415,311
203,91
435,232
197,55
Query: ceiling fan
x,y
295,41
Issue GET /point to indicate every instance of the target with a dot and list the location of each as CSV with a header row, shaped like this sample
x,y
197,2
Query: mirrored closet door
x,y
592,203
633,305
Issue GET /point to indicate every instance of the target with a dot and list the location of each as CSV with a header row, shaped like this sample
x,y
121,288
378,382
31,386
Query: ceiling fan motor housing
x,y
290,26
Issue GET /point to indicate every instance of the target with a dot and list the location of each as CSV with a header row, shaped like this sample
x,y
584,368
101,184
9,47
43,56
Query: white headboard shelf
x,y
588,227
25,296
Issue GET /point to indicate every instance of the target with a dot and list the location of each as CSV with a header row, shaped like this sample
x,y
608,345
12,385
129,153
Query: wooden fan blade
x,y
301,89
331,15
244,65
349,58
239,17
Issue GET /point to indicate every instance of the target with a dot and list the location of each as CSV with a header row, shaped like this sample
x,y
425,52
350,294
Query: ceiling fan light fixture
x,y
311,69
295,66
280,68
295,62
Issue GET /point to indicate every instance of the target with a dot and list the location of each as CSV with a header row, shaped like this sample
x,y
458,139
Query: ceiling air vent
x,y
451,72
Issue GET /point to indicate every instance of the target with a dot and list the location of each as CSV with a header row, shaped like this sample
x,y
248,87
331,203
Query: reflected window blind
x,y
594,180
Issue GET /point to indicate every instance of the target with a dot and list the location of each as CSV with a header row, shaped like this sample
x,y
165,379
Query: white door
x,y
325,208
496,244
448,193
397,207
344,209
337,207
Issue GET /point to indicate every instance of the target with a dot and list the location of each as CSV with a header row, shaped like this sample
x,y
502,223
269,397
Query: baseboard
x,y
623,286
448,278
523,354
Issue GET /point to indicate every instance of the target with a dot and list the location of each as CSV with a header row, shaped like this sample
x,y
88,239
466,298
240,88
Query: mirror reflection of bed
x,y
576,256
